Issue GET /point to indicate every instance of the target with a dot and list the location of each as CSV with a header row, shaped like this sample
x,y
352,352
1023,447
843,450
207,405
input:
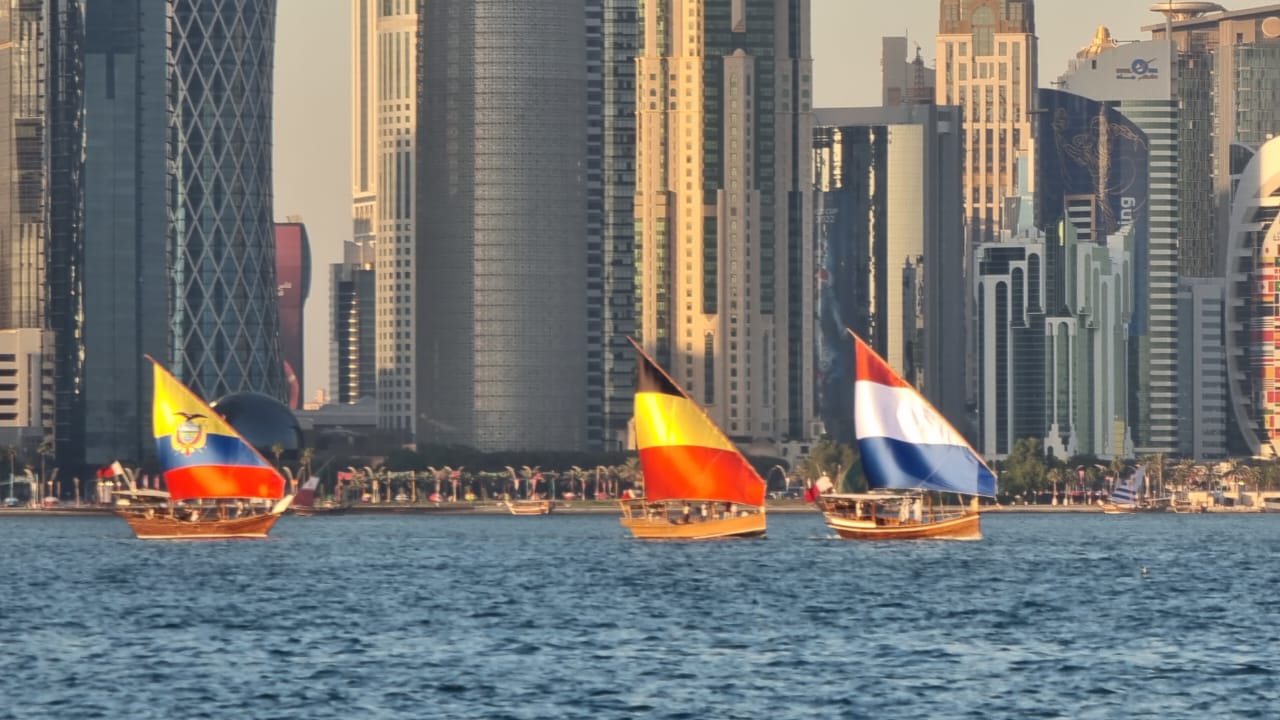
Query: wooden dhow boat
x,y
529,506
910,455
219,486
697,485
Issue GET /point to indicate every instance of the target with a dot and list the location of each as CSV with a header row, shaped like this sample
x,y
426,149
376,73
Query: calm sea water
x,y
354,617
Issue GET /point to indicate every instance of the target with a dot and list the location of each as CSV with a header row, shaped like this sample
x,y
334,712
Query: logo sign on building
x,y
1139,69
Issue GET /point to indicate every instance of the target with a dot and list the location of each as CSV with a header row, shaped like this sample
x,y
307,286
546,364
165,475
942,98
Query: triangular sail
x,y
1126,491
905,443
200,454
683,454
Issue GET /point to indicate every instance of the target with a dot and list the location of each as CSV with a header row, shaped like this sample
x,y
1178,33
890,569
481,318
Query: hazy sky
x,y
312,157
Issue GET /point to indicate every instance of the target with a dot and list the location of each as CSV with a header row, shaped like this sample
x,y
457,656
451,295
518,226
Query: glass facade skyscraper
x,y
127,180
612,33
501,249
225,323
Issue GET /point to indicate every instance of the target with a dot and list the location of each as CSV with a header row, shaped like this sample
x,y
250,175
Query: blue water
x,y
489,616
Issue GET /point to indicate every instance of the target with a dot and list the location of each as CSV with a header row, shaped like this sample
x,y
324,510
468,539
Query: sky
x,y
312,105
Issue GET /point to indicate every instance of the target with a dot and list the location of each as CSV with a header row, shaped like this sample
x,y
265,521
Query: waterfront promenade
x,y
562,507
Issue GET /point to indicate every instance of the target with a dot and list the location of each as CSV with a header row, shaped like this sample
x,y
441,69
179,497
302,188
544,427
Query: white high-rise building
x,y
384,127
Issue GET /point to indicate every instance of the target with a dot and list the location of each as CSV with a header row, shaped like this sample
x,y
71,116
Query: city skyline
x,y
312,143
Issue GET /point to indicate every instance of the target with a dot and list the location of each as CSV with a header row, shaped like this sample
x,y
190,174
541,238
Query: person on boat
x,y
684,514
904,511
917,509
702,510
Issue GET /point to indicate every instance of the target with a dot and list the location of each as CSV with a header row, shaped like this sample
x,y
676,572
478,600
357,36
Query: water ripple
x,y
567,617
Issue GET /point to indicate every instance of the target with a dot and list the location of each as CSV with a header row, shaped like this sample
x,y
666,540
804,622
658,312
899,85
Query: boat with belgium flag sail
x,y
219,486
911,456
697,485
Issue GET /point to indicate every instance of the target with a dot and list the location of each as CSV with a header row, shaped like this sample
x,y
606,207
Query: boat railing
x,y
682,511
889,510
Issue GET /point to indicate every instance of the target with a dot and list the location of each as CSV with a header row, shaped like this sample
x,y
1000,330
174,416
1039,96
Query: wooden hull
x,y
165,527
529,507
742,526
1119,509
959,527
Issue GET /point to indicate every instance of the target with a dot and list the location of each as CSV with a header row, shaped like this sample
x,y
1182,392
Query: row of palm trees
x,y
460,484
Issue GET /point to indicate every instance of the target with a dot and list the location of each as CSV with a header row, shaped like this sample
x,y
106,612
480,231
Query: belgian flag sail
x,y
683,454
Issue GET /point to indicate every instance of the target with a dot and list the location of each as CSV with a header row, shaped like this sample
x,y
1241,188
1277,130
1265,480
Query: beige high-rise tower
x,y
384,129
986,64
723,205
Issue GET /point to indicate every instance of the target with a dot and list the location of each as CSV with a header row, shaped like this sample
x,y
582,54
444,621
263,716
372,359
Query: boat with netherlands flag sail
x,y
697,484
218,484
911,456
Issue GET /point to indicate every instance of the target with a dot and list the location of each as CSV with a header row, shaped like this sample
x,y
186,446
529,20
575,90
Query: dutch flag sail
x,y
906,444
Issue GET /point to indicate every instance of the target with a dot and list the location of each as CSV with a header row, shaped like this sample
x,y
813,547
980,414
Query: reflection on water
x,y
566,616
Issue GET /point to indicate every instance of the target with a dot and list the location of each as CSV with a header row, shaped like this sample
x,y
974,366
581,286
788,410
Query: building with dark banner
x,y
500,339
1091,204
1138,79
293,281
225,325
889,246
127,233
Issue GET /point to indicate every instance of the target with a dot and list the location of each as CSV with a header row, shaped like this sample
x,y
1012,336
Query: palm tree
x,y
304,464
44,450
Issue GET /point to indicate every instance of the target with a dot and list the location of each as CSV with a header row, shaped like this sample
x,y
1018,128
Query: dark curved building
x,y
226,321
264,421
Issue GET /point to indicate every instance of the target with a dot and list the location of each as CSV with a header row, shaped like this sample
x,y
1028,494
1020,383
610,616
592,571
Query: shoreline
x,y
592,507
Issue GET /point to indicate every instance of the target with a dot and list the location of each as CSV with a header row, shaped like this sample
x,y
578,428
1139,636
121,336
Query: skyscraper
x,y
611,182
42,206
889,238
225,325
501,263
127,235
724,209
353,325
986,64
1228,93
385,86
1139,80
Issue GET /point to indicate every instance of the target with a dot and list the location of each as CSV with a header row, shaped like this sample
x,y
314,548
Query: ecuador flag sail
x,y
201,455
683,454
904,441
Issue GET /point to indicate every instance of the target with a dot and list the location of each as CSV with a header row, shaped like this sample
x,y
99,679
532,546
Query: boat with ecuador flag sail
x,y
911,456
219,486
697,485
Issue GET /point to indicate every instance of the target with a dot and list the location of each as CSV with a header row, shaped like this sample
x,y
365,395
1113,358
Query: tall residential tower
x,y
724,208
986,64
